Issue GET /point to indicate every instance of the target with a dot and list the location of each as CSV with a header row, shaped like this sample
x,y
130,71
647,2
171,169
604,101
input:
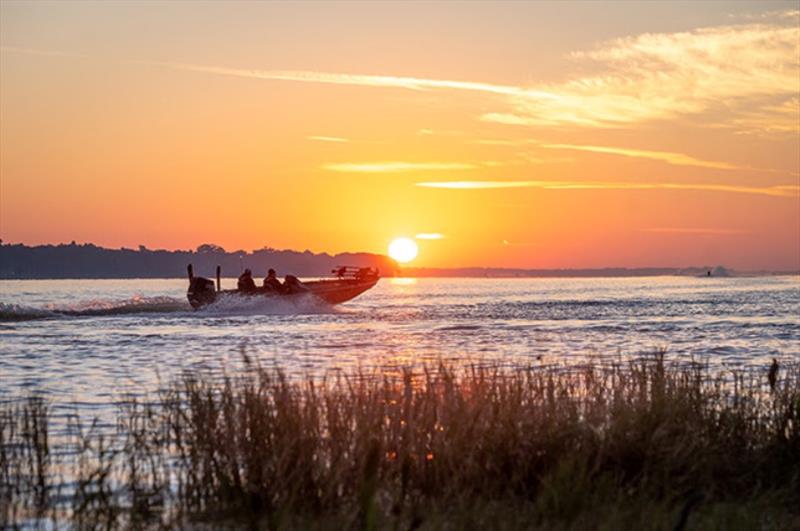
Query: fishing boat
x,y
347,283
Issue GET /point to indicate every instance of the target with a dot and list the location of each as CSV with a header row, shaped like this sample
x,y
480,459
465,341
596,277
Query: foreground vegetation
x,y
644,444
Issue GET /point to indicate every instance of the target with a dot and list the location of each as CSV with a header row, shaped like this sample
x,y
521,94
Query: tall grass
x,y
24,460
644,444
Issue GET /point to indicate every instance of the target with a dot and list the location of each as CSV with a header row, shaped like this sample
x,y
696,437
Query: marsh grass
x,y
641,444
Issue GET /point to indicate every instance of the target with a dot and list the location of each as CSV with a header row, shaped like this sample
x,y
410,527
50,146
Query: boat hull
x,y
334,291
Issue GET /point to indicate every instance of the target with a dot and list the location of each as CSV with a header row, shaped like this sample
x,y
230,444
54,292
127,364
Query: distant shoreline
x,y
566,275
697,272
87,261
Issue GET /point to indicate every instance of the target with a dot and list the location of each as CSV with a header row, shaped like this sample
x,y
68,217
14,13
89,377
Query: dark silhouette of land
x,y
489,272
90,261
73,260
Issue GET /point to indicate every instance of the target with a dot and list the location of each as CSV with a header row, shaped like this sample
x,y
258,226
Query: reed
x,y
24,460
644,443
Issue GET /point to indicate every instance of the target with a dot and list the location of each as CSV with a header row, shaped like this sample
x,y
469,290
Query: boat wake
x,y
224,306
18,312
232,305
93,308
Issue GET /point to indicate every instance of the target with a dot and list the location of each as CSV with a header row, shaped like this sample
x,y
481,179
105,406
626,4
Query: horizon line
x,y
400,267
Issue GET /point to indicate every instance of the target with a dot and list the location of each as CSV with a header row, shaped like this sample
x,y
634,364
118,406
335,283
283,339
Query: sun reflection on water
x,y
402,281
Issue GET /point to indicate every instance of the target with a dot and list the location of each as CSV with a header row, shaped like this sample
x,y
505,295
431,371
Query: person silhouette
x,y
271,283
246,282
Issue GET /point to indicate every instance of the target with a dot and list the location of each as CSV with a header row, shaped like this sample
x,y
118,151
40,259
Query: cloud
x,y
503,142
764,15
748,71
658,76
517,244
439,132
397,166
429,236
476,185
742,76
328,139
678,159
362,80
401,166
789,190
779,117
685,230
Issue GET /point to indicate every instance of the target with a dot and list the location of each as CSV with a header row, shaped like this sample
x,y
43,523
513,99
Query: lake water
x,y
86,343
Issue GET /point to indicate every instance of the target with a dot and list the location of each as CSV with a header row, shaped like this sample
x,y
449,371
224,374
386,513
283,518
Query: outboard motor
x,y
201,291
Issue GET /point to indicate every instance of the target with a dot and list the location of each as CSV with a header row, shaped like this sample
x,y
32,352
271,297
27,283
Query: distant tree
x,y
210,248
142,248
73,260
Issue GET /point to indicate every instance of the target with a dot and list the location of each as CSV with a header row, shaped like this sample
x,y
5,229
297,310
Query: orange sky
x,y
521,135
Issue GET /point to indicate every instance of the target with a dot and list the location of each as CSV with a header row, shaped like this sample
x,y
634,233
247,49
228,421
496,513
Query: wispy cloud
x,y
403,166
695,230
439,132
789,190
503,142
780,117
750,69
678,159
748,72
429,236
516,244
476,185
363,80
533,159
765,15
397,166
665,75
329,139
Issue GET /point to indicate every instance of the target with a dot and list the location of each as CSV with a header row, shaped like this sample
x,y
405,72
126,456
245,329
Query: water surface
x,y
86,343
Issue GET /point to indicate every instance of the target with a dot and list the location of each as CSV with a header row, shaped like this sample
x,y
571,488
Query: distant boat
x,y
718,271
349,282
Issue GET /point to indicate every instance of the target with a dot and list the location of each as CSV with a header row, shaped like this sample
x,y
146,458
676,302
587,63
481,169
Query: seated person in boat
x,y
271,283
246,282
291,284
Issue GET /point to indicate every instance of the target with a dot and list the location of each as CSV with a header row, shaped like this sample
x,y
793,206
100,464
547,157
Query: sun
x,y
403,249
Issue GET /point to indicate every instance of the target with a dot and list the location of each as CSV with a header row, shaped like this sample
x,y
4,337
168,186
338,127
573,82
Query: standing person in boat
x,y
246,282
271,283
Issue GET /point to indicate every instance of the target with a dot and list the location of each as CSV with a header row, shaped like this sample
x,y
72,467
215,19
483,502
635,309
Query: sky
x,y
535,135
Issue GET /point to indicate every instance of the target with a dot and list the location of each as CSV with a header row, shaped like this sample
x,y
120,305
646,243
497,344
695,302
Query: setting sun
x,y
403,249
